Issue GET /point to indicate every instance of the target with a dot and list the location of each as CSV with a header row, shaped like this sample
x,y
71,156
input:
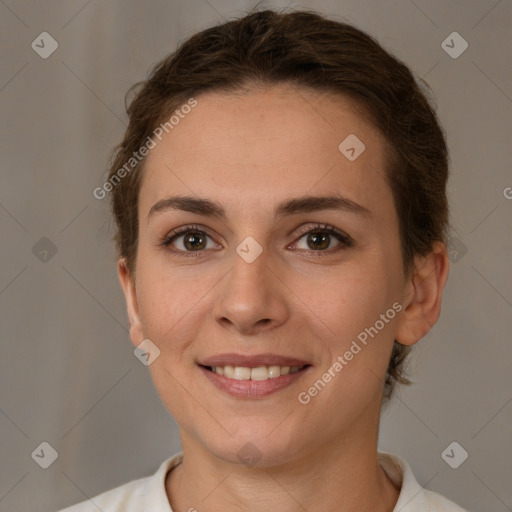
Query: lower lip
x,y
252,388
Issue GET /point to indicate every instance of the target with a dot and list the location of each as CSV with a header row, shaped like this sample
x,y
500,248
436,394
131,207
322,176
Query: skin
x,y
249,152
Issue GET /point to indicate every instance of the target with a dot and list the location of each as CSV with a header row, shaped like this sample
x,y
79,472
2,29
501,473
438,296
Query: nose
x,y
251,298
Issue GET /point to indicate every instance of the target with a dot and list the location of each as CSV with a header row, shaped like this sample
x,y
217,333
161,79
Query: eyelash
x,y
343,238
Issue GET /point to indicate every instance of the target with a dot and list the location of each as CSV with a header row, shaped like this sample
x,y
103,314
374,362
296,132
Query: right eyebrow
x,y
188,204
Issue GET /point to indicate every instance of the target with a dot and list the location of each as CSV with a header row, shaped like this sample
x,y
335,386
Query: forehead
x,y
282,141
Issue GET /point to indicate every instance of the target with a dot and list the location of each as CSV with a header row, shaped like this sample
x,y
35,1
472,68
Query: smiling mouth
x,y
259,373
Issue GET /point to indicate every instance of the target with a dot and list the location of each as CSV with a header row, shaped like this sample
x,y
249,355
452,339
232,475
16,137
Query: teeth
x,y
228,372
272,372
258,373
242,373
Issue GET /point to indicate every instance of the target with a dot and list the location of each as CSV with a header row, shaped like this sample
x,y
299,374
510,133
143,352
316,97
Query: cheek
x,y
353,310
173,302
358,321
171,308
347,299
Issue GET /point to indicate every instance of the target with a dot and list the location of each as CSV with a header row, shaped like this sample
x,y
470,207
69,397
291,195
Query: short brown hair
x,y
306,49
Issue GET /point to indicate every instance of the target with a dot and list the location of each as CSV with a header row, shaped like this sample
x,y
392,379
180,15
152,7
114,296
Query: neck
x,y
341,475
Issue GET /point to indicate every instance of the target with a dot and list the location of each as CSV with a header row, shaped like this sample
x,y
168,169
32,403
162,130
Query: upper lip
x,y
252,361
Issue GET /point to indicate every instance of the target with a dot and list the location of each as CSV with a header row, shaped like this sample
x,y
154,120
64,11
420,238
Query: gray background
x,y
68,373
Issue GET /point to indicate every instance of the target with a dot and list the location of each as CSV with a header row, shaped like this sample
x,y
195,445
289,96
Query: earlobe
x,y
423,295
128,285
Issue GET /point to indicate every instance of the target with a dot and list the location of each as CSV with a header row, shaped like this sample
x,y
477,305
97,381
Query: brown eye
x,y
194,241
318,241
189,240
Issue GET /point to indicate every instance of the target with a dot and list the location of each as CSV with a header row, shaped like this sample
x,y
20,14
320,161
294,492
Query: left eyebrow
x,y
308,204
294,206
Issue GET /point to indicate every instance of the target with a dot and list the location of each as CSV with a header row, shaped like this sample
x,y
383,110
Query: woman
x,y
281,211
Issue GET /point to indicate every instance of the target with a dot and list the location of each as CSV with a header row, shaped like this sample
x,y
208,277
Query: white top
x,y
148,494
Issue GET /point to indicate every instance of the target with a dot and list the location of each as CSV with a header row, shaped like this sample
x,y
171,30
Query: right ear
x,y
132,306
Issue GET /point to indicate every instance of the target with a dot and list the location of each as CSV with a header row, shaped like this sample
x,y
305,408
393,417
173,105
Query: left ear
x,y
423,294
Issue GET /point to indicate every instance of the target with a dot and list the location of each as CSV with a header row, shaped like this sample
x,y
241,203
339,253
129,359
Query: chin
x,y
256,445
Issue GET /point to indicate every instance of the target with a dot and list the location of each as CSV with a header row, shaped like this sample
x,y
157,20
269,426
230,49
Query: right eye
x,y
188,239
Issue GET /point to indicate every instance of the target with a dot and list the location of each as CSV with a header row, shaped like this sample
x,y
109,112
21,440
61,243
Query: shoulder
x,y
133,496
413,497
126,497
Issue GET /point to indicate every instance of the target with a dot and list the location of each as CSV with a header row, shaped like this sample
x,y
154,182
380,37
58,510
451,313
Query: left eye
x,y
321,239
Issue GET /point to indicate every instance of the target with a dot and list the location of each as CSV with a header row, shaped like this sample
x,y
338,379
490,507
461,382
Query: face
x,y
269,274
